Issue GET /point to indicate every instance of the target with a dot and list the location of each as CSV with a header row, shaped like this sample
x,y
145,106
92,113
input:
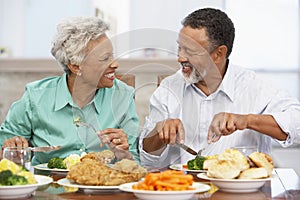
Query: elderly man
x,y
212,101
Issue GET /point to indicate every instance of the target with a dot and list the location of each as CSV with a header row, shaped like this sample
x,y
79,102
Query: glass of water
x,y
19,155
246,150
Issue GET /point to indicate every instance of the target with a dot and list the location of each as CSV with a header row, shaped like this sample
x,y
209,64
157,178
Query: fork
x,y
200,151
80,123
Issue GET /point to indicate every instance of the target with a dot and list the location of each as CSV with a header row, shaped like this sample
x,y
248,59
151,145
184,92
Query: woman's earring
x,y
79,73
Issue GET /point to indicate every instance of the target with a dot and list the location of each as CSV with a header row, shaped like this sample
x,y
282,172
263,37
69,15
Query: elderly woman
x,y
86,92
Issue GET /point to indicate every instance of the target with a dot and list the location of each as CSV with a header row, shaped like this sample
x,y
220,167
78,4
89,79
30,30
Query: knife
x,y
44,149
187,149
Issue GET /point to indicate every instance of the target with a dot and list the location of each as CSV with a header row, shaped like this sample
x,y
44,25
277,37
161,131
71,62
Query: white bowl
x,y
165,195
236,185
22,191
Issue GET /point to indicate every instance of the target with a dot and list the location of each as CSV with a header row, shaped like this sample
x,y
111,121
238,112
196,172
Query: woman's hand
x,y
15,141
117,141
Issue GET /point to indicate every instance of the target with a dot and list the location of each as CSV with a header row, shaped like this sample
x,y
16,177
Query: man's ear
x,y
75,69
220,54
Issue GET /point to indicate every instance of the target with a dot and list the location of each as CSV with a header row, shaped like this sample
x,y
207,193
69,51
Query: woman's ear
x,y
75,69
220,54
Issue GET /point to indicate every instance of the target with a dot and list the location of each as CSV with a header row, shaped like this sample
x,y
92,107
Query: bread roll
x,y
236,155
254,173
209,162
224,169
262,160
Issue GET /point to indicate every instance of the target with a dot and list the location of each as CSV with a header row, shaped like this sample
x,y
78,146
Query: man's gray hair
x,y
73,35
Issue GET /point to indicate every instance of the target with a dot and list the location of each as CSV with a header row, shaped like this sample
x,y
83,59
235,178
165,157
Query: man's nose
x,y
181,58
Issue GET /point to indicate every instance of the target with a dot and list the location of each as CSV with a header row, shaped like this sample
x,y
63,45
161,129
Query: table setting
x,y
283,183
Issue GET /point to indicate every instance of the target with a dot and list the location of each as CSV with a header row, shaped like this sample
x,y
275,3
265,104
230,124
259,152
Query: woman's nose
x,y
114,65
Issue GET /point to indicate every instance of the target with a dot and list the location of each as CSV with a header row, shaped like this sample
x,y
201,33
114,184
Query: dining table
x,y
284,185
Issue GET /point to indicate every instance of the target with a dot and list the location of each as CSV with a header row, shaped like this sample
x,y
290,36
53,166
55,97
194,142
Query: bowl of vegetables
x,y
18,182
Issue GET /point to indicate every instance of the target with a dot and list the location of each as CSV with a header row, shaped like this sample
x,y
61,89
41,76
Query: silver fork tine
x,y
86,124
200,151
80,123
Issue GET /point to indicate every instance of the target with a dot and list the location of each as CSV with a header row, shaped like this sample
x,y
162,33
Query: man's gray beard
x,y
194,77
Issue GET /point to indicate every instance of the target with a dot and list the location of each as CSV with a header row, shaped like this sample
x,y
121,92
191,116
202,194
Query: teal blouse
x,y
46,112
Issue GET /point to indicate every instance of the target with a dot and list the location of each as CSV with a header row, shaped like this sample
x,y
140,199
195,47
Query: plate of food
x,y
183,167
87,188
44,167
236,185
233,171
165,195
166,185
23,191
194,165
60,165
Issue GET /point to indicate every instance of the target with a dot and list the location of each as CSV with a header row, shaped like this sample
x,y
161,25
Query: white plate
x,y
44,167
164,195
181,168
236,185
22,191
88,188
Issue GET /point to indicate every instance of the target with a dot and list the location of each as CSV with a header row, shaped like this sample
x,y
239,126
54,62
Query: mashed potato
x,y
72,159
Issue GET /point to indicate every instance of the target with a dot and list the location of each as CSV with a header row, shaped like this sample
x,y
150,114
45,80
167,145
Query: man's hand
x,y
225,124
169,131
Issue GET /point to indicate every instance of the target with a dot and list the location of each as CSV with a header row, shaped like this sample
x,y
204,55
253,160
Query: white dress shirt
x,y
241,92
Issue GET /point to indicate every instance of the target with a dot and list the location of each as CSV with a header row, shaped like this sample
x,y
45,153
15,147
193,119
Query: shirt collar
x,y
63,96
228,82
99,97
227,85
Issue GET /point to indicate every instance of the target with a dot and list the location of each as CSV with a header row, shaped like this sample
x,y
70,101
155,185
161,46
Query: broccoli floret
x,y
196,163
57,163
8,178
17,180
199,161
190,164
4,175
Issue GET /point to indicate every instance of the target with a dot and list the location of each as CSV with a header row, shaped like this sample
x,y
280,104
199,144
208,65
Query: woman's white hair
x,y
73,35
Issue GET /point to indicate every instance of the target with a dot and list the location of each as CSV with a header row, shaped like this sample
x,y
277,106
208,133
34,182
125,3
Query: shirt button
x,y
81,150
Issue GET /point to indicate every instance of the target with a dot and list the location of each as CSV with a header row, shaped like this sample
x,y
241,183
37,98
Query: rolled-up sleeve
x,y
286,112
